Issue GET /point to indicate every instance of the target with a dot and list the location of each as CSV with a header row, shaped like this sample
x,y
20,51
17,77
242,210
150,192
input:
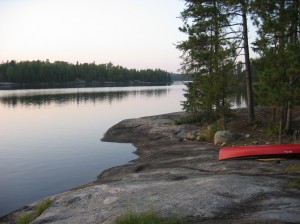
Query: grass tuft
x,y
41,207
295,183
26,218
293,169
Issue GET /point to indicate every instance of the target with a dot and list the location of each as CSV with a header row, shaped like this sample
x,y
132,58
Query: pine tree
x,y
208,55
278,45
238,11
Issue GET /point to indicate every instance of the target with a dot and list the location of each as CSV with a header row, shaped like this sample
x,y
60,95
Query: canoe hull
x,y
259,151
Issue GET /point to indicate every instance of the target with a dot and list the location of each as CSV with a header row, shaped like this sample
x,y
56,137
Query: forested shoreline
x,y
45,72
218,44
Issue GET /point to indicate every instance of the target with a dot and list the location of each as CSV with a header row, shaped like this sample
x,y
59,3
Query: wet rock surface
x,y
180,178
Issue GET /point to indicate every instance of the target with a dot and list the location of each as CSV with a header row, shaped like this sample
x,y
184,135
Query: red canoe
x,y
259,151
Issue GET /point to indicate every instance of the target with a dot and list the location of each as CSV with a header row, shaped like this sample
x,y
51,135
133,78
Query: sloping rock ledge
x,y
179,178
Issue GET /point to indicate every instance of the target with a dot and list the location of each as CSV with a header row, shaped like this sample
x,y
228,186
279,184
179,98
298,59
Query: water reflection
x,y
238,99
46,98
50,138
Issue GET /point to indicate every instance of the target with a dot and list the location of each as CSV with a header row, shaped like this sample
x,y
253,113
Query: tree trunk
x,y
280,125
293,40
288,117
251,116
297,9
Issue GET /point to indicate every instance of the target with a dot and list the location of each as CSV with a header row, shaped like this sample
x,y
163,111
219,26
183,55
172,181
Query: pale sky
x,y
132,33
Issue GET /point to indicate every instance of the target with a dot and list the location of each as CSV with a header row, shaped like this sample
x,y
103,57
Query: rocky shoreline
x,y
179,178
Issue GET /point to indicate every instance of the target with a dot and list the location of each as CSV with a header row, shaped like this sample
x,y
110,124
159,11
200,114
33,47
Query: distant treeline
x,y
61,72
181,77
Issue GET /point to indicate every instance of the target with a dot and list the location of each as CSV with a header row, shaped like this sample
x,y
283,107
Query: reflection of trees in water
x,y
79,97
239,98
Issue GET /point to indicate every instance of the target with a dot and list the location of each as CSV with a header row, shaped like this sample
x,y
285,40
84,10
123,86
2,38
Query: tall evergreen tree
x,y
238,11
245,9
278,45
208,55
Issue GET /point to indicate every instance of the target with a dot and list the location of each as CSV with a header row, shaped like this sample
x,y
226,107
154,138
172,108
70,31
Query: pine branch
x,y
283,36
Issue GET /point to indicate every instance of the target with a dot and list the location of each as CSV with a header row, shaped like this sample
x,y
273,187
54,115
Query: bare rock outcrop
x,y
181,179
153,128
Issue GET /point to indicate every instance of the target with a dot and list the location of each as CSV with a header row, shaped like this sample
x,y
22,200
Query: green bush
x,y
189,119
210,131
148,217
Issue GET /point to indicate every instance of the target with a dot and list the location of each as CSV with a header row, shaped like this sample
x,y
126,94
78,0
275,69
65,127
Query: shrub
x,y
210,131
189,119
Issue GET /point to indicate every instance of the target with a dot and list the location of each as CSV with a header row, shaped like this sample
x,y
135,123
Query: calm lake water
x,y
50,139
